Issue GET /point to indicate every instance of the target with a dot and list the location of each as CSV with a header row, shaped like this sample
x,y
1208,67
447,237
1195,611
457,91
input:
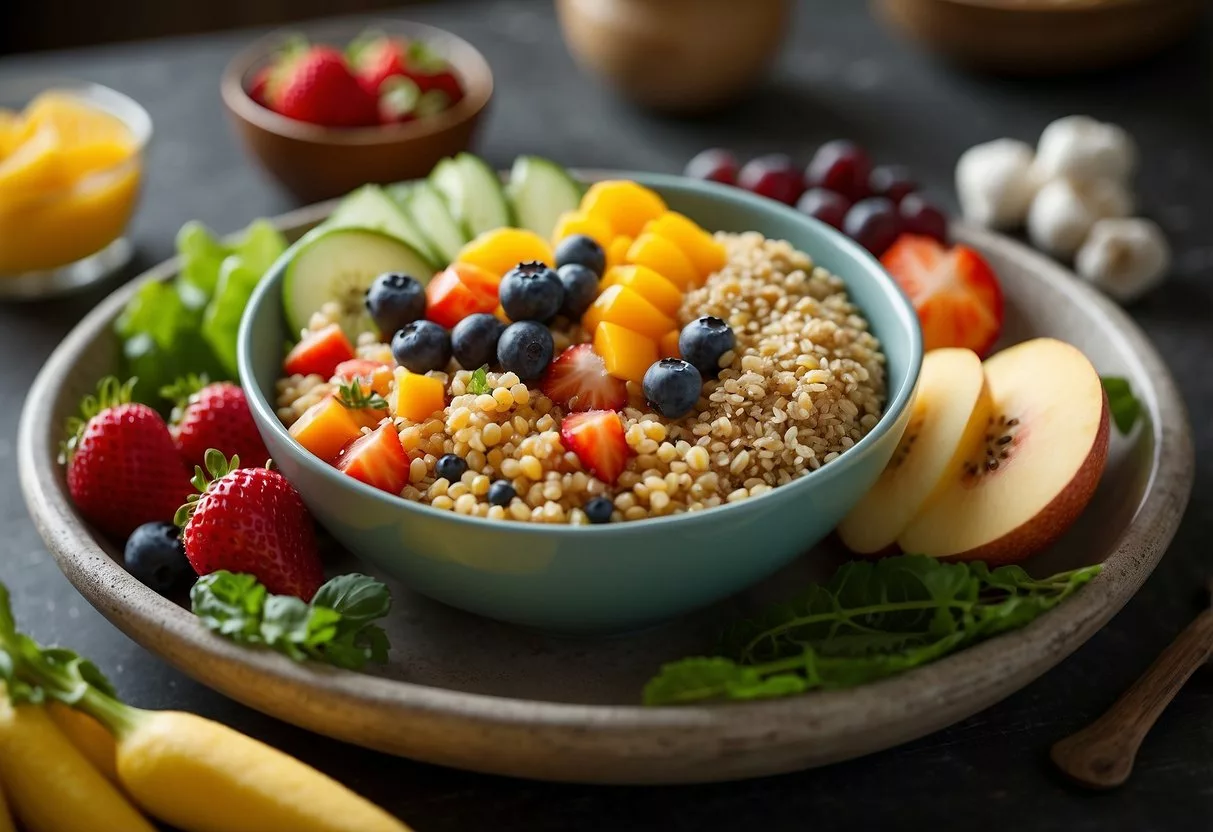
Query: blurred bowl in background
x,y
1042,37
315,163
677,56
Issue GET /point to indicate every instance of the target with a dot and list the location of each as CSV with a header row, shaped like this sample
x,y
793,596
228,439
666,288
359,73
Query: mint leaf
x,y
230,604
1123,405
869,621
479,382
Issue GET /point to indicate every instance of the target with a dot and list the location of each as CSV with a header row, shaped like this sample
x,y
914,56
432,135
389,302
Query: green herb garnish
x,y
479,382
353,397
1125,407
336,627
871,620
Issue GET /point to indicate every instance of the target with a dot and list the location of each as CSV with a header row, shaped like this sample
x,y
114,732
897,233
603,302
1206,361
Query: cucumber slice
x,y
338,265
473,192
371,207
540,191
428,210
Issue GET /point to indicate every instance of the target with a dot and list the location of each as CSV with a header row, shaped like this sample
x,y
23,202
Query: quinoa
x,y
805,382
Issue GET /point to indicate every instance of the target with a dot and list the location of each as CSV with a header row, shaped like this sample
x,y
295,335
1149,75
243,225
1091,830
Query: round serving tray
x,y
466,692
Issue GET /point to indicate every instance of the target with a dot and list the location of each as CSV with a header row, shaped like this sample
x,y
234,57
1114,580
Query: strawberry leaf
x,y
353,397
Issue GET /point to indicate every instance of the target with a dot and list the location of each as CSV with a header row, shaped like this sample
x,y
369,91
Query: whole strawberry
x,y
122,467
250,520
213,416
377,58
315,85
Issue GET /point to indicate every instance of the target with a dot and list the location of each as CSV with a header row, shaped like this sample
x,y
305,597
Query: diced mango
x,y
625,205
624,306
652,287
668,345
627,354
700,247
325,428
665,258
418,396
579,222
502,249
617,251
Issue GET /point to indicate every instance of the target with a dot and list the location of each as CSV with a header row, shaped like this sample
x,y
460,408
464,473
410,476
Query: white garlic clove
x,y
1081,148
1059,219
1107,198
1124,257
995,183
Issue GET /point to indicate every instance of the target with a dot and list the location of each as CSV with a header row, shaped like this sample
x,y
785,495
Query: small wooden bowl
x,y
316,163
1042,37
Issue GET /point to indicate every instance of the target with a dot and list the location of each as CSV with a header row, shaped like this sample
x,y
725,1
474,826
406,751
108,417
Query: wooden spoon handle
x,y
1101,755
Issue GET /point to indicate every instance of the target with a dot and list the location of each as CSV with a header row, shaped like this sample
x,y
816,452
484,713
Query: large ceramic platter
x,y
470,693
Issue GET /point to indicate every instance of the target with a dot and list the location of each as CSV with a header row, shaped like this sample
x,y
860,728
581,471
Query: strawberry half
x,y
377,459
578,380
251,520
319,353
213,416
122,467
954,290
315,85
596,436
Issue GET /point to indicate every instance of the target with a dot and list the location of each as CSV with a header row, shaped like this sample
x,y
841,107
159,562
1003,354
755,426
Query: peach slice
x,y
1036,467
949,418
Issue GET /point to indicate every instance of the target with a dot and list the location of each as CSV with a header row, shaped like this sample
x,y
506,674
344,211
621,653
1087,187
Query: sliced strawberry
x,y
458,291
954,290
319,353
377,459
578,380
596,436
376,374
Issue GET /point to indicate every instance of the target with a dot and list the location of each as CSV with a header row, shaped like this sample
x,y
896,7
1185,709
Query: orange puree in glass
x,y
69,178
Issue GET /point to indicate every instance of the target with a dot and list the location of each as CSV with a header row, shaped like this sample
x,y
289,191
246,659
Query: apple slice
x,y
951,411
1036,467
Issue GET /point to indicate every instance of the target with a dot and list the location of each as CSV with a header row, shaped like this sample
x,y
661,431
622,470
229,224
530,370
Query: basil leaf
x,y
357,598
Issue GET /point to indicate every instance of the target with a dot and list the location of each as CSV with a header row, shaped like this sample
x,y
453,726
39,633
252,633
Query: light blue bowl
x,y
621,576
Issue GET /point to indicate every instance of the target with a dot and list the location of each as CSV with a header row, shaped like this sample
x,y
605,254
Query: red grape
x,y
827,206
921,217
772,176
715,165
873,223
840,166
893,181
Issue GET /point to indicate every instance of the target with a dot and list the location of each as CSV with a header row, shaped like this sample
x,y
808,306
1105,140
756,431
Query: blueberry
x,y
501,493
451,467
672,386
703,341
395,300
599,509
582,250
155,556
525,348
531,292
580,288
422,346
474,340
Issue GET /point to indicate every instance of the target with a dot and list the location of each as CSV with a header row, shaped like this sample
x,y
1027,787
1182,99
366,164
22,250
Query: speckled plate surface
x,y
469,693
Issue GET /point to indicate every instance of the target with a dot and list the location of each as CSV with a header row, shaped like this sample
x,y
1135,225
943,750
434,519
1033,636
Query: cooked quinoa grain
x,y
805,382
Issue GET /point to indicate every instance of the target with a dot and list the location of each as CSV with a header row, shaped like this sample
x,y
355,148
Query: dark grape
x,y
873,223
827,206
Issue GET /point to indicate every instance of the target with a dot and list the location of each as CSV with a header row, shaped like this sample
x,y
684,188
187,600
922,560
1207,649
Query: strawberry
x,y
313,84
250,520
376,374
377,59
213,416
596,436
954,290
319,353
578,380
122,467
432,73
259,86
377,459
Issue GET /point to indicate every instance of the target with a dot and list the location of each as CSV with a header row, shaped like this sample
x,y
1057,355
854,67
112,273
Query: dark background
x,y
840,75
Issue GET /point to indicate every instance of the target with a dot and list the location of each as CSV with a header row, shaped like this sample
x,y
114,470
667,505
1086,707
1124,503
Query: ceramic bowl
x,y
315,162
621,576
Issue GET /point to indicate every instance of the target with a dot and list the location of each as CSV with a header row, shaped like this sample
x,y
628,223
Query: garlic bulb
x,y
1060,219
995,183
1083,149
1124,257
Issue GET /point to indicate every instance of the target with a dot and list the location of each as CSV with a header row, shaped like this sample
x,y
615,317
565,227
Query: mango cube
x,y
668,345
325,428
625,205
417,396
627,354
700,247
665,258
502,249
625,307
651,286
617,251
579,222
